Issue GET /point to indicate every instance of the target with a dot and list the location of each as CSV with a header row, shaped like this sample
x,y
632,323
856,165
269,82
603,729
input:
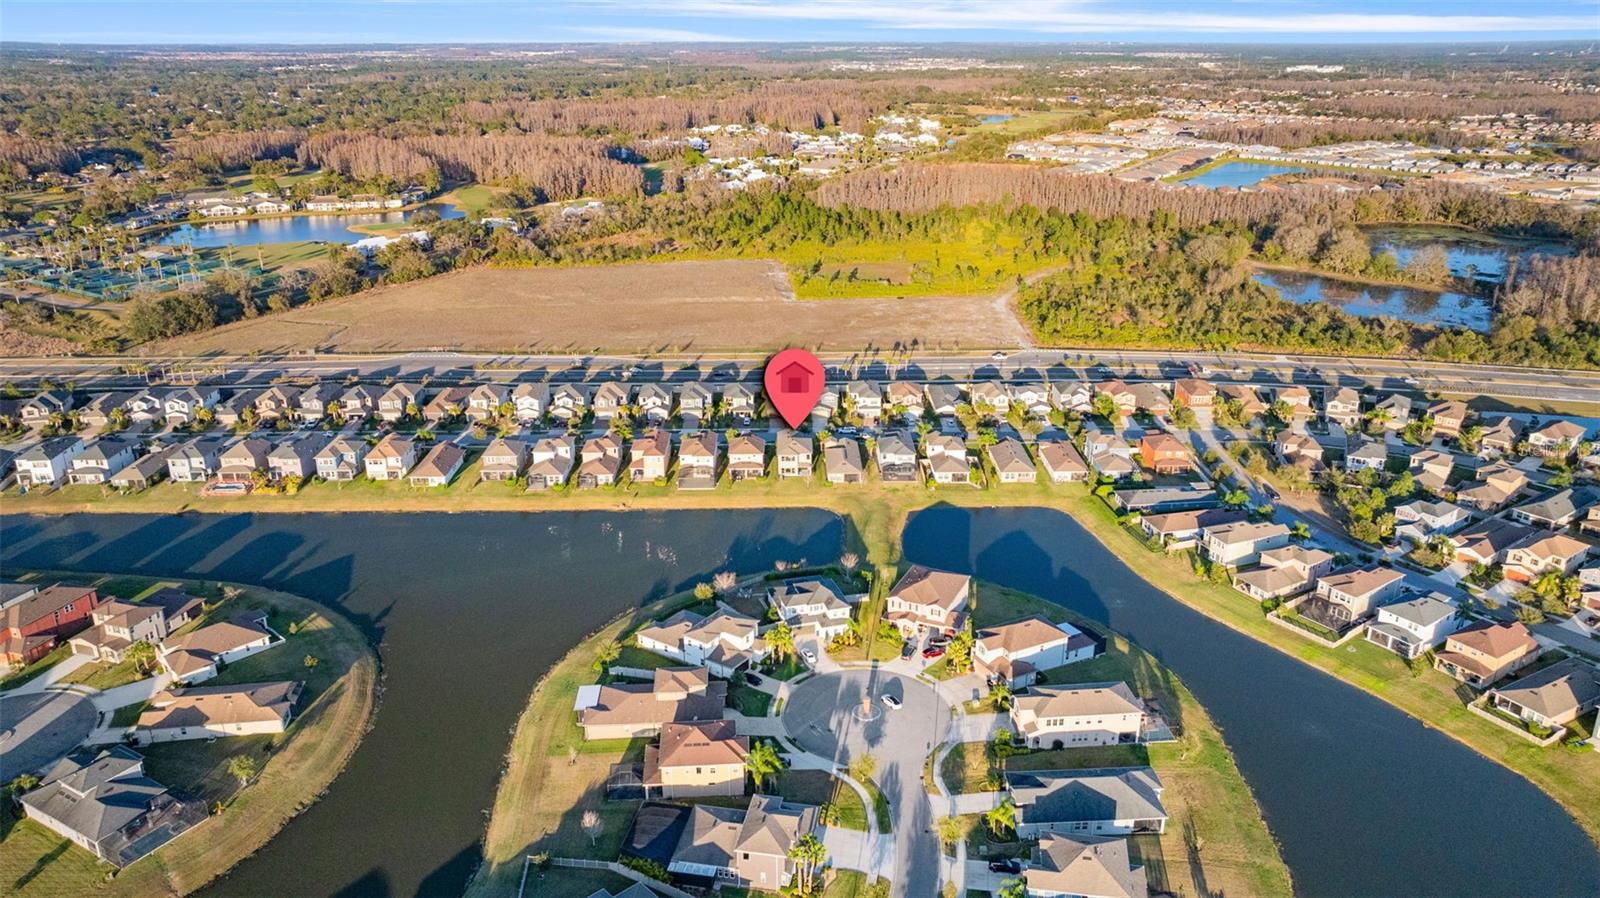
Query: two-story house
x,y
897,457
925,599
31,626
550,461
341,459
529,402
48,462
392,458
697,460
485,400
102,458
1077,715
1351,595
650,455
600,461
794,454
746,848
1015,653
195,461
1414,626
695,760
1482,654
813,606
240,462
1164,454
1285,571
1242,542
747,457
400,401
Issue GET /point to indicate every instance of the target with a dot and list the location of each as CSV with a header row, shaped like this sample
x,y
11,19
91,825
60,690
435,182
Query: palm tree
x,y
143,656
608,653
808,854
1000,696
724,582
763,762
1001,818
780,641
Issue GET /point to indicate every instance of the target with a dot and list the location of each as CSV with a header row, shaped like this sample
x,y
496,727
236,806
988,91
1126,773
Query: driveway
x,y
825,716
38,729
52,676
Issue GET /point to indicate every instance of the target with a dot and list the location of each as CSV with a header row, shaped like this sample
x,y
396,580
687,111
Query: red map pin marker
x,y
794,379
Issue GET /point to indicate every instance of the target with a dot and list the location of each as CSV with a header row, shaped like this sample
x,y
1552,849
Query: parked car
x,y
908,650
933,651
891,701
809,655
1006,865
939,639
752,680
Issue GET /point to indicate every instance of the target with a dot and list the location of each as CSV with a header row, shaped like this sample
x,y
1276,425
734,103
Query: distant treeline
x,y
239,149
24,157
1294,135
790,105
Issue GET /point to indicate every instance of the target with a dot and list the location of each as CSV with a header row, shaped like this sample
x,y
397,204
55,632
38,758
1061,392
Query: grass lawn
x,y
748,700
472,198
819,787
633,656
101,675
57,655
128,715
295,767
564,882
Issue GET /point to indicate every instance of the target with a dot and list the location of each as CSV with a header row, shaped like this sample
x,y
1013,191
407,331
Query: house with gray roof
x,y
1557,510
1414,626
1082,866
100,459
105,804
1098,801
745,847
1551,697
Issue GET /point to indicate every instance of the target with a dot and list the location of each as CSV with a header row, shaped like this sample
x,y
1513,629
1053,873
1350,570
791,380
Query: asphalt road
x,y
1021,366
821,715
38,729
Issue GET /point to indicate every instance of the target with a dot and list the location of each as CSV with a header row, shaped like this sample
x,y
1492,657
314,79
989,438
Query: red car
x,y
933,651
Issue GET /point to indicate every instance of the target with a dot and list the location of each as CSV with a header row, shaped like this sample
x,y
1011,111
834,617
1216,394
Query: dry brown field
x,y
647,307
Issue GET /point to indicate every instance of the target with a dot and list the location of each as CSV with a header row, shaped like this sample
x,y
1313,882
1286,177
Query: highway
x,y
1414,375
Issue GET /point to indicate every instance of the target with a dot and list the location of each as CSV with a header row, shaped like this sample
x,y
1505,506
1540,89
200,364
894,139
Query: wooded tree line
x,y
231,150
790,105
1294,135
559,167
1556,291
24,157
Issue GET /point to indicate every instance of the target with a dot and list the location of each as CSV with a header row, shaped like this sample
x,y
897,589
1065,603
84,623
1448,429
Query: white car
x,y
998,356
809,655
891,701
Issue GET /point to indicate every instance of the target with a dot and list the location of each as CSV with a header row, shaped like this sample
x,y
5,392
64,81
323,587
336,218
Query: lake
x,y
1239,174
1469,253
469,610
1445,309
1364,800
331,228
995,118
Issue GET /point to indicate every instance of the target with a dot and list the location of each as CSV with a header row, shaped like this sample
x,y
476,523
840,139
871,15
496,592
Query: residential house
x,y
1162,453
1500,436
104,803
439,466
1091,801
697,460
341,459
696,760
1394,411
295,457
530,402
550,462
867,397
991,395
628,710
1497,485
503,459
568,402
147,406
358,402
143,471
1430,469
1552,697
610,399
180,407
694,403
194,461
723,643
1108,454
655,403
1062,461
841,459
1181,529
1077,715
32,625
97,411
392,458
1151,398
233,411
1488,542
928,599
650,455
448,403
240,462
904,396
277,401
1421,520
1483,653
1033,397
1194,393
1284,572
37,411
1366,455
794,454
1542,552
1015,653
600,461
747,457
1072,395
1342,406
743,848
947,459
897,457
1242,542
1292,447
1351,595
48,462
209,712
1449,416
739,402
1011,462
196,656
1161,500
100,459
943,397
1414,626
483,403
1250,404
1125,400
1081,866
813,605
1558,510
398,401
1298,399
1556,439
318,401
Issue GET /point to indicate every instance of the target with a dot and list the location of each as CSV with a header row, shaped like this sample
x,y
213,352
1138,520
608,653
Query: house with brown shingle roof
x,y
1078,715
928,599
1353,594
1163,454
1062,460
1482,654
1551,697
1014,653
391,458
600,461
748,847
195,656
439,466
1449,415
206,712
1541,552
1555,438
1285,571
1197,394
1079,864
504,459
1012,463
650,455
747,457
696,759
626,710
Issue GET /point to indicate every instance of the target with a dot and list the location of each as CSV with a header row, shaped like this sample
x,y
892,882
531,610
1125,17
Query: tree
x,y
808,855
763,763
1000,696
959,654
725,582
311,662
609,652
848,561
1001,818
952,830
1013,888
593,825
242,768
704,591
143,656
862,768
1106,407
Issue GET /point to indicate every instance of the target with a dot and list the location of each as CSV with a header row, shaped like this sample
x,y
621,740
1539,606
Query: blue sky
x,y
853,21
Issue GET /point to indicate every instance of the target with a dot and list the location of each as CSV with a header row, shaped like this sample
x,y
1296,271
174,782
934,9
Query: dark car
x,y
752,679
1009,865
908,649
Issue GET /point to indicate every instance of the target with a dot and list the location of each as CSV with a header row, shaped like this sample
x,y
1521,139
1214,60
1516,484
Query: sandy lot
x,y
650,307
